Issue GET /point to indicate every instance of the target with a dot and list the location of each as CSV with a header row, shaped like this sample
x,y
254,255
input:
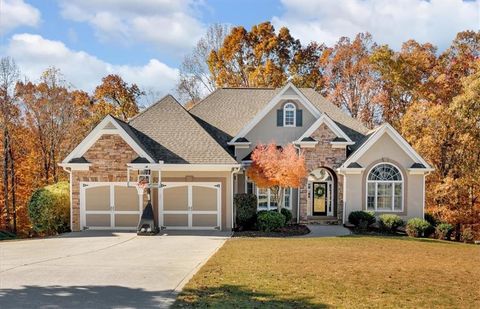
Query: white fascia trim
x,y
419,171
240,144
145,166
388,129
199,167
306,144
97,132
330,124
354,170
76,166
273,102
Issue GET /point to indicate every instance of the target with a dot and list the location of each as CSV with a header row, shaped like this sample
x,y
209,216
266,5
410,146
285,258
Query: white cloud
x,y
15,13
391,22
34,54
166,24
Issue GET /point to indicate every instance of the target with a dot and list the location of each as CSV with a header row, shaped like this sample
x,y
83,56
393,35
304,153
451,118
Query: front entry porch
x,y
320,198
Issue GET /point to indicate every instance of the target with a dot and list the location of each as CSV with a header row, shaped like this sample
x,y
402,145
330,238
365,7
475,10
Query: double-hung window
x,y
289,111
385,188
265,200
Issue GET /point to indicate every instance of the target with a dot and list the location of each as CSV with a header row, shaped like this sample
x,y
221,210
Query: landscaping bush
x,y
356,217
49,209
288,215
246,209
467,235
417,227
443,231
268,221
431,219
389,223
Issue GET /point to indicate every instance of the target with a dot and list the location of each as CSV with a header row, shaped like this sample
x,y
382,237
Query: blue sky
x,y
145,40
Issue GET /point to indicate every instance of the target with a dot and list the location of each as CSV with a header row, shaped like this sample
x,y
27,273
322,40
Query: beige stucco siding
x,y
385,147
386,150
267,131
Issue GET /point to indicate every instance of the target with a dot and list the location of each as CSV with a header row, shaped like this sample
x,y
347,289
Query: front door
x,y
319,201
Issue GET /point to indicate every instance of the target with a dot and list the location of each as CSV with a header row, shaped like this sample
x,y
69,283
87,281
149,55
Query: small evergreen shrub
x,y
49,209
246,209
288,215
467,235
356,217
417,227
389,223
268,221
431,219
443,231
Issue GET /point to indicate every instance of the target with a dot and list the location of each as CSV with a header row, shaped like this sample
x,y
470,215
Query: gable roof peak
x,y
163,99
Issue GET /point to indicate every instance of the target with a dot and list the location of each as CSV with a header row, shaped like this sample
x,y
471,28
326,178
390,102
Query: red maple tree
x,y
277,169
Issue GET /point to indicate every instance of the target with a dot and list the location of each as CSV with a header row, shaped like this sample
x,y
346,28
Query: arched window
x,y
385,188
289,111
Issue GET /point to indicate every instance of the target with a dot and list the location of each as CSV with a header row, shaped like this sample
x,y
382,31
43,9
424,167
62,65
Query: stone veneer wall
x,y
323,155
109,157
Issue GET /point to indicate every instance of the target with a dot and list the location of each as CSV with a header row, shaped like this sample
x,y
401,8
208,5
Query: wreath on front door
x,y
319,191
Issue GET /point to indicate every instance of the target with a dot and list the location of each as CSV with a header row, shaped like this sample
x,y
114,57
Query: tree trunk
x,y
5,176
12,181
458,228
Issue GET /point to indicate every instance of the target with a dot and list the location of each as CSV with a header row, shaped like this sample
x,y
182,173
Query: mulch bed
x,y
289,230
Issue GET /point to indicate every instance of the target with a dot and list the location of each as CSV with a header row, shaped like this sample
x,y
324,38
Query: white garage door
x,y
190,205
109,206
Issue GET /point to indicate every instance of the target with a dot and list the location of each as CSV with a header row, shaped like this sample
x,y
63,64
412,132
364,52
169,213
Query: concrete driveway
x,y
102,269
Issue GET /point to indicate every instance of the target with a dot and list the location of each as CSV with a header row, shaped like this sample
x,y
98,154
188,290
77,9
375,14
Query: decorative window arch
x,y
385,184
289,115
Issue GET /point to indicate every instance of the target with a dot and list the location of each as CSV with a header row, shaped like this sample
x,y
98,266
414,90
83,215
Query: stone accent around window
x,y
323,155
109,156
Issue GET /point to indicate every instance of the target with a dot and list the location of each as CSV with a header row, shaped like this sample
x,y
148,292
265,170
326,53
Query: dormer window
x,y
289,111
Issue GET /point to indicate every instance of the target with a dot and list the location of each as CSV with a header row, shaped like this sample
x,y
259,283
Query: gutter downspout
x,y
71,199
235,170
298,191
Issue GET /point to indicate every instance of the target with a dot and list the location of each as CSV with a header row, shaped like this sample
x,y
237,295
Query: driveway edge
x,y
189,276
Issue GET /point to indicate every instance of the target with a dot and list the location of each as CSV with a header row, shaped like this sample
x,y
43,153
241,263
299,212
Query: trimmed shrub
x,y
49,209
288,215
246,209
431,219
467,235
389,223
268,221
356,217
443,231
417,227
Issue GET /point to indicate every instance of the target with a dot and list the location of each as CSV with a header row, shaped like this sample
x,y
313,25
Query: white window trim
x,y
289,106
376,182
269,206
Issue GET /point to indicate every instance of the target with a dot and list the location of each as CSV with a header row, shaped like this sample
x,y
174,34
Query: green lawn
x,y
345,272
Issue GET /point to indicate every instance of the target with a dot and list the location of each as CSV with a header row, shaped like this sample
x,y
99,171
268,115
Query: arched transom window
x,y
289,111
385,188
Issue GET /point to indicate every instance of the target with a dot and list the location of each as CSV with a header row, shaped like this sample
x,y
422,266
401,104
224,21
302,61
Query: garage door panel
x,y
126,198
175,198
97,198
97,220
126,220
204,198
204,220
175,220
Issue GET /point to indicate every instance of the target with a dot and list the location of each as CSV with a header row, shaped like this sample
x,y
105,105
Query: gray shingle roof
x,y
418,165
81,160
172,135
227,110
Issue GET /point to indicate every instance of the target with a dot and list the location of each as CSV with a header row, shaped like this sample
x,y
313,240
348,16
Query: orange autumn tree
x,y
277,169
